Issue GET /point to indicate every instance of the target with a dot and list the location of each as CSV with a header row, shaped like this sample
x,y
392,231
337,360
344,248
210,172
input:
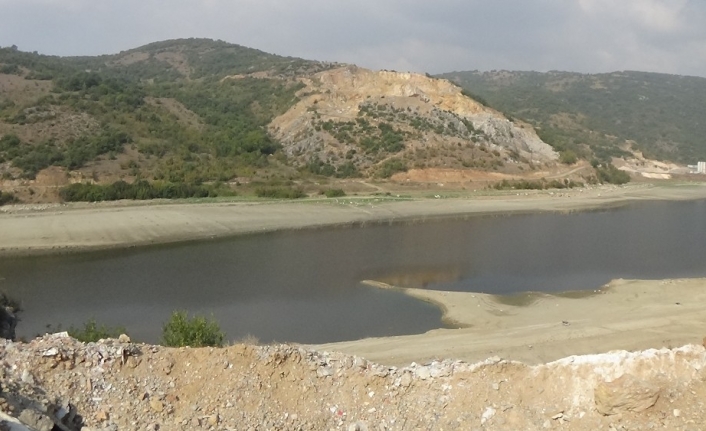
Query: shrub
x,y
568,157
7,198
92,332
279,193
334,193
181,331
139,190
391,167
612,175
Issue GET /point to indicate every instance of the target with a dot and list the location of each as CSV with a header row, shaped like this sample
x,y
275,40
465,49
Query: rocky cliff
x,y
351,115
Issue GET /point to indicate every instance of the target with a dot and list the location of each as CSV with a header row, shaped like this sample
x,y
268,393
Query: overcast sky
x,y
418,35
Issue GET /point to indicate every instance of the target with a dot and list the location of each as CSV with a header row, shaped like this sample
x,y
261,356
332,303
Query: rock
x,y
324,371
487,415
35,420
157,405
102,416
406,380
123,338
676,413
27,377
625,394
423,373
358,426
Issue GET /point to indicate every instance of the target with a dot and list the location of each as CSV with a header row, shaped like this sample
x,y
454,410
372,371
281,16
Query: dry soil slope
x,y
339,106
117,385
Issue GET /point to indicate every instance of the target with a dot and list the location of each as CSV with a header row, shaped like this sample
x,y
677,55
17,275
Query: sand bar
x,y
624,315
91,226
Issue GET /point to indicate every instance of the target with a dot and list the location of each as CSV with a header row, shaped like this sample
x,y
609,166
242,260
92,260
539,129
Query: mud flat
x,y
536,328
52,229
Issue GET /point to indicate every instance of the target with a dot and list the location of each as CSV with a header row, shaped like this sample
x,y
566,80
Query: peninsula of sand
x,y
534,328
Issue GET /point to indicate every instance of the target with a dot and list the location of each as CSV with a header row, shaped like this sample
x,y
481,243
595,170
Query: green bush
x,y
612,175
7,198
197,331
92,332
391,167
334,193
536,185
568,157
279,193
140,190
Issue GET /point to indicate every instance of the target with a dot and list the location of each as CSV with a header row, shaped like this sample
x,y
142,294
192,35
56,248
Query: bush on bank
x,y
182,330
139,190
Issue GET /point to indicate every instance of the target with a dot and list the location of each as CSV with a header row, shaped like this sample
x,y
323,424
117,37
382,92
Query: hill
x,y
182,117
602,115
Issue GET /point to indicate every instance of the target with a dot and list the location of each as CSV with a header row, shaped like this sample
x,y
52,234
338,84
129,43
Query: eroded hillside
x,y
353,118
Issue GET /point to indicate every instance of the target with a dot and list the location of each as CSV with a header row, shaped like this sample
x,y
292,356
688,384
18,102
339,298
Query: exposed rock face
x,y
625,394
343,106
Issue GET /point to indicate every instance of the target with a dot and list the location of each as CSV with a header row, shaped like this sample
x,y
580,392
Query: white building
x,y
701,168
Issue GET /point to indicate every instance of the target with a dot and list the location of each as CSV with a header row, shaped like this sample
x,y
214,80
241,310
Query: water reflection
x,y
305,286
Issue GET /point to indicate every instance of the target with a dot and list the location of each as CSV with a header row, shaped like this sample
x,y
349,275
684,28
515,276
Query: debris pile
x,y
56,382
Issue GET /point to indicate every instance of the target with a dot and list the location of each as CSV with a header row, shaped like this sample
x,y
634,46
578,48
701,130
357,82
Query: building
x,y
701,168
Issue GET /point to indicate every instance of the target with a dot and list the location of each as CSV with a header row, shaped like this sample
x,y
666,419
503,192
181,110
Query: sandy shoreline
x,y
624,315
86,227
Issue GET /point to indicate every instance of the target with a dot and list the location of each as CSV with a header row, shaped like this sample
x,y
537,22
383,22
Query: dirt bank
x,y
537,328
48,229
124,386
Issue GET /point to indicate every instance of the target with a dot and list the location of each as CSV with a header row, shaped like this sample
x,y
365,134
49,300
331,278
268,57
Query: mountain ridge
x,y
198,111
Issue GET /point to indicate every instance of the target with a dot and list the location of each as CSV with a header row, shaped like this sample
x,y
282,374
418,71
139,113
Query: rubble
x,y
56,382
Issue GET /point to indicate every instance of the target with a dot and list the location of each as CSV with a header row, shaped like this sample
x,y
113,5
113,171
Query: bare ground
x,y
537,328
56,228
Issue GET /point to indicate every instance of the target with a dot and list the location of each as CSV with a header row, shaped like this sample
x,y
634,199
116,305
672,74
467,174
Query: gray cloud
x,y
444,35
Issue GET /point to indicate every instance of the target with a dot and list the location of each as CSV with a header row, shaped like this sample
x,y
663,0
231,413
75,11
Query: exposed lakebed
x,y
304,286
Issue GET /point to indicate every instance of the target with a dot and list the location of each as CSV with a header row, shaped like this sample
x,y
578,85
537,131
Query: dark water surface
x,y
304,286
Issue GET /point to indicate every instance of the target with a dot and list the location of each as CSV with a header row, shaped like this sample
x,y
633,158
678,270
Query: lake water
x,y
304,286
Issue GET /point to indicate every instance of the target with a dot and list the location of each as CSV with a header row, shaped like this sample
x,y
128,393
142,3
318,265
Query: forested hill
x,y
173,115
183,111
665,115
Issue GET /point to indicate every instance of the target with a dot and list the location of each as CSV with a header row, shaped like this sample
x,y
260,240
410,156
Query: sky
x,y
434,36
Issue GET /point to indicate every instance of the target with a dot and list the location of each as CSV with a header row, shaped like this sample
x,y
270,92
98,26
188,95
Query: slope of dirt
x,y
342,107
116,385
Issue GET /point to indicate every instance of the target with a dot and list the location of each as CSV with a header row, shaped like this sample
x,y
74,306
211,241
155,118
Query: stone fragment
x,y
487,415
35,420
123,338
156,405
101,416
406,380
625,394
423,373
358,426
324,372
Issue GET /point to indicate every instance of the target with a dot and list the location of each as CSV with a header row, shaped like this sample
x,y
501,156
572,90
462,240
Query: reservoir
x,y
305,286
